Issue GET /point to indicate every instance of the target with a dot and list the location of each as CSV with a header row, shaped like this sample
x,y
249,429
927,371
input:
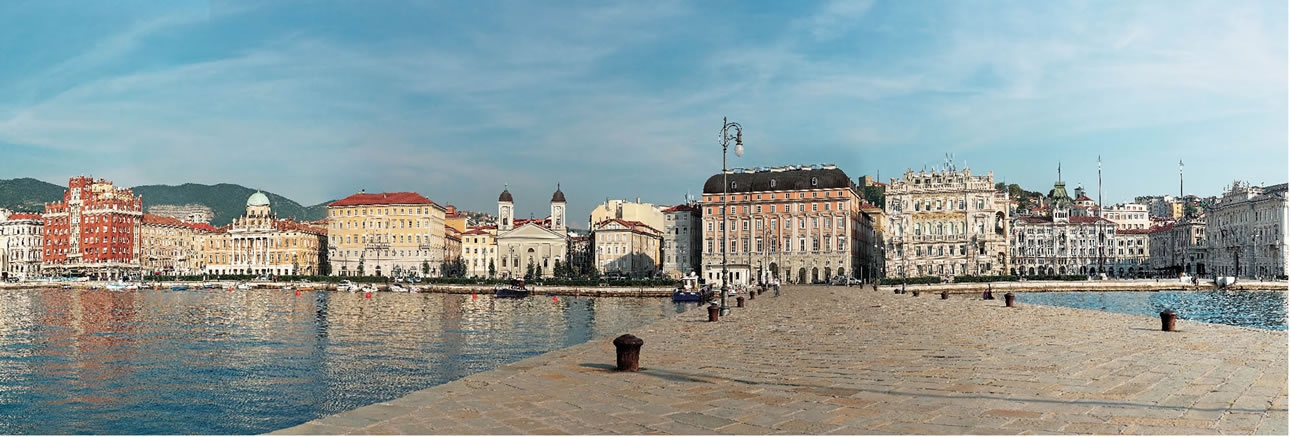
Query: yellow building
x,y
479,249
646,213
169,246
452,243
385,234
258,243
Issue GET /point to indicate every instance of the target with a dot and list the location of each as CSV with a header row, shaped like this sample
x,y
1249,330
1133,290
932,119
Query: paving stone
x,y
834,360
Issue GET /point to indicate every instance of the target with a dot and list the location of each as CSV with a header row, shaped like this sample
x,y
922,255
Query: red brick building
x,y
93,231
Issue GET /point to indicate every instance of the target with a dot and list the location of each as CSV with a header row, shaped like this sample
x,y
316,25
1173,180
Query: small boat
x,y
116,286
305,286
133,287
414,289
398,288
347,285
67,287
244,286
178,288
516,289
690,291
1224,281
368,288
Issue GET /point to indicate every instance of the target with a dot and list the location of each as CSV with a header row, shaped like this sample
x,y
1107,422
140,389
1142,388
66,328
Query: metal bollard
x,y
752,295
627,348
712,312
915,293
945,294
896,291
1008,299
739,302
1167,320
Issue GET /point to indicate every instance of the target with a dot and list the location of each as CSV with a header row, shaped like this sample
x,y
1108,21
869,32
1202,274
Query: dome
x,y
505,196
558,196
258,199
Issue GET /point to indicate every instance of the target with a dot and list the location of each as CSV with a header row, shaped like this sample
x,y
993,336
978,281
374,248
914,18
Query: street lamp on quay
x,y
726,138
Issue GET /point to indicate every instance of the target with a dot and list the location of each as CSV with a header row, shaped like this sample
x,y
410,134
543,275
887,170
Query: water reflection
x,y
251,361
1257,309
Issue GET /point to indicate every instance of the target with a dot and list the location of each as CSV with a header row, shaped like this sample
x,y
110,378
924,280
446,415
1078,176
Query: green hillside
x,y
27,194
229,201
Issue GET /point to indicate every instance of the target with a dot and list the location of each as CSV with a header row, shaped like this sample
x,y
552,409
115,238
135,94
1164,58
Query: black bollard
x,y
915,293
945,294
739,302
712,312
627,347
1008,299
752,295
1167,320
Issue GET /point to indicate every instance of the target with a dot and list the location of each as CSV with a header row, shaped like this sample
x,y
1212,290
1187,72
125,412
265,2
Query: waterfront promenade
x,y
834,360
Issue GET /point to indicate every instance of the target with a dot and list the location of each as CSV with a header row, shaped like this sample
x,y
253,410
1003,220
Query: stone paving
x,y
834,360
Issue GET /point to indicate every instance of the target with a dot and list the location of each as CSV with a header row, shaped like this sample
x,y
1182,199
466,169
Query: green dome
x,y
258,199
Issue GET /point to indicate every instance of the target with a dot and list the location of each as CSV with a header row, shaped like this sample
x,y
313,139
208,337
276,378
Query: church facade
x,y
540,243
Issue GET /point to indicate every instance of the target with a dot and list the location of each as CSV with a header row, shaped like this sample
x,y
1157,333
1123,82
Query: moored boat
x,y
398,288
516,289
690,291
180,287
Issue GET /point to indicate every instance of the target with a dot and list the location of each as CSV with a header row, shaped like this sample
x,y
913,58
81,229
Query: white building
x,y
946,223
20,245
539,243
1161,206
1131,254
1128,216
1247,232
627,247
1061,244
682,238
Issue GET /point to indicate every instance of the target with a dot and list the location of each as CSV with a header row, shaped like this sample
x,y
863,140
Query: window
x,y
733,185
813,182
773,183
759,209
802,244
802,223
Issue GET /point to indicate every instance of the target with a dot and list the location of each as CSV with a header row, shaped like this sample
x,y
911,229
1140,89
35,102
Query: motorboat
x,y
515,289
690,291
398,288
244,286
116,286
414,289
347,285
180,287
368,288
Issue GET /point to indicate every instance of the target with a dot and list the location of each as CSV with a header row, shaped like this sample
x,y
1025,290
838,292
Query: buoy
x,y
298,292
472,296
368,295
553,298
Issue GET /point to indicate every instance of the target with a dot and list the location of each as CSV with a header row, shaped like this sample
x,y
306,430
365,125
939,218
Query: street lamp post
x,y
726,138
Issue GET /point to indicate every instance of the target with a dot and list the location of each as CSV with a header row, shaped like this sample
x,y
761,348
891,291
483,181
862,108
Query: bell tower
x,y
506,211
558,210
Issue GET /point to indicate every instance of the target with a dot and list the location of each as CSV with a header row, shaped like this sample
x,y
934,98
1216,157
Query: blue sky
x,y
315,100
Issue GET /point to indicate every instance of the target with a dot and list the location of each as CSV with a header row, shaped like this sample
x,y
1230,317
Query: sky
x,y
455,99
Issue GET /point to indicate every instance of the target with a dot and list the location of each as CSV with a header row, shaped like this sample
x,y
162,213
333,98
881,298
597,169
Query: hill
x,y
228,201
28,195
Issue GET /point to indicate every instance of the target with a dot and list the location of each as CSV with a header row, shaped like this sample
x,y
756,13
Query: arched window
x,y
773,183
813,182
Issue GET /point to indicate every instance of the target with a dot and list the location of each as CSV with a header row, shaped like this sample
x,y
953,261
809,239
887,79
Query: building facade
x,y
797,223
1247,232
21,242
1128,216
479,250
946,223
649,214
168,246
1060,243
873,243
627,247
385,234
92,231
258,243
682,239
536,244
1131,254
1179,247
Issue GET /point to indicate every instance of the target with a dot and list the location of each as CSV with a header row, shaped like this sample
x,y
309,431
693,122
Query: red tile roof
x,y
1088,219
405,198
1084,198
633,225
25,216
682,207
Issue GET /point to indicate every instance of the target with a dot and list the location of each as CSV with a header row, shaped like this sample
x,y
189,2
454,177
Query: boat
x,y
690,291
1224,281
347,285
398,288
178,287
116,286
368,288
211,286
516,289
244,286
414,289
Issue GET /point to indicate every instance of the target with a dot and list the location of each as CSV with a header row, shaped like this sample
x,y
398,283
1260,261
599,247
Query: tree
x,y
493,270
425,267
360,268
558,270
875,194
528,275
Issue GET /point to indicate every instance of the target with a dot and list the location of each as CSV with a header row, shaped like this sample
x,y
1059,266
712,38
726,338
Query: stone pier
x,y
835,360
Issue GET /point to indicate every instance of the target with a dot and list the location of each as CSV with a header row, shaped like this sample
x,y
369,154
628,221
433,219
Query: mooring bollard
x,y
712,312
915,293
945,294
1008,299
627,347
752,296
1167,320
896,291
739,302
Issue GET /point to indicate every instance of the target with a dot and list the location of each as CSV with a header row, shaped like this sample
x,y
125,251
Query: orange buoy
x,y
368,295
472,296
298,292
553,298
